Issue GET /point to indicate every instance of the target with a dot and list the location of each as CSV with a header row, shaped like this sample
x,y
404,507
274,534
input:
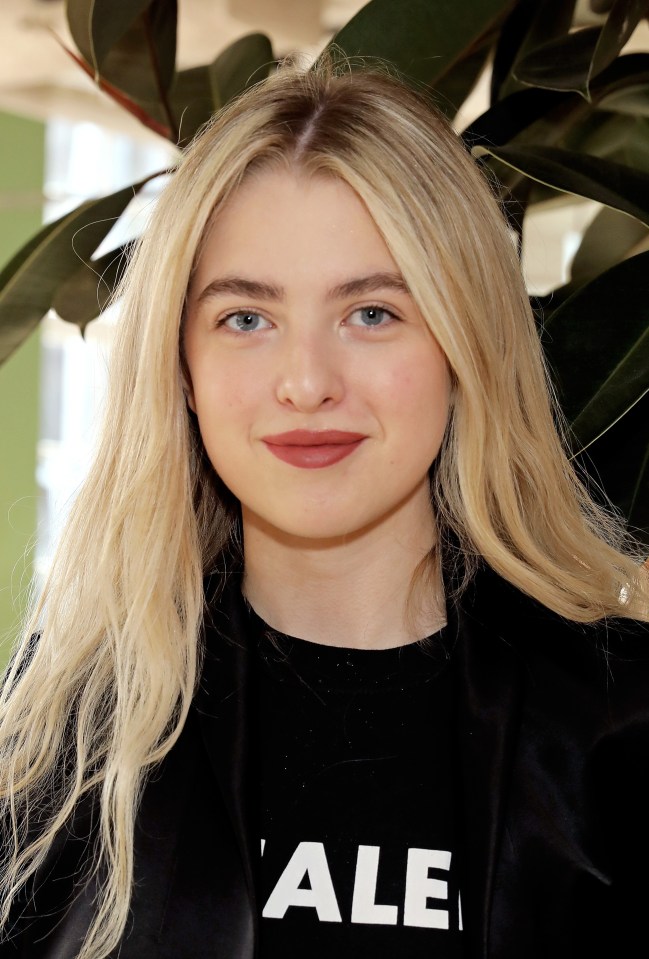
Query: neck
x,y
354,591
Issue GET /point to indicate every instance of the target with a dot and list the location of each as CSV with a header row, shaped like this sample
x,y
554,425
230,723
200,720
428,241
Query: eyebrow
x,y
358,286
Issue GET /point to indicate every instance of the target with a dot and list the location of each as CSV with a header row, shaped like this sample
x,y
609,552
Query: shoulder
x,y
571,705
583,674
533,630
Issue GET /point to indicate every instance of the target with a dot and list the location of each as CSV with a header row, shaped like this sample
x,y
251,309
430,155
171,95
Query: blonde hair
x,y
102,694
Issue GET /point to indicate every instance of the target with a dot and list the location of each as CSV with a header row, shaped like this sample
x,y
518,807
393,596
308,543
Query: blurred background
x,y
62,141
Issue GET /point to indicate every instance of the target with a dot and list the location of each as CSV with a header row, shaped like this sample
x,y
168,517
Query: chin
x,y
311,530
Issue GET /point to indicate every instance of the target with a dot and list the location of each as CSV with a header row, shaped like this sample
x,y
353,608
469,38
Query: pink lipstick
x,y
313,449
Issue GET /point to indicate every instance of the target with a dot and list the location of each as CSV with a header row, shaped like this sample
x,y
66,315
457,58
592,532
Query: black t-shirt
x,y
360,853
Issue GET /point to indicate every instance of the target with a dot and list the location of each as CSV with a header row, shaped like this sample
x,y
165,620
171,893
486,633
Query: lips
x,y
313,449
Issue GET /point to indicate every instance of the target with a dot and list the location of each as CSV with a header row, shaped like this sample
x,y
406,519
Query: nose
x,y
310,374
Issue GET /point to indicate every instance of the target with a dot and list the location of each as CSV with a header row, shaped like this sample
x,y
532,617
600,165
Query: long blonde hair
x,y
102,694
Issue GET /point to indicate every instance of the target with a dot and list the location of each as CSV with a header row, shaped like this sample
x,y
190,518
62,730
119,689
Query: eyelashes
x,y
244,321
372,316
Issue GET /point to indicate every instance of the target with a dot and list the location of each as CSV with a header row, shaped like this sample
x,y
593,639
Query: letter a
x,y
310,860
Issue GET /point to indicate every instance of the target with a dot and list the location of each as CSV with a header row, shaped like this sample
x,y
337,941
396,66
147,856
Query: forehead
x,y
287,224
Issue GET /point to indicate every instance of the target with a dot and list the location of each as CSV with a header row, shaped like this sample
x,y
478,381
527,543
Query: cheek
x,y
418,393
428,395
228,411
219,388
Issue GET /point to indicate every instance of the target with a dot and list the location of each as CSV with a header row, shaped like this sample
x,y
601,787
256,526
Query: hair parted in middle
x,y
502,487
119,619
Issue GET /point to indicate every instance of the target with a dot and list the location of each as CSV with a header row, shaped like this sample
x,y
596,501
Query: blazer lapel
x,y
488,677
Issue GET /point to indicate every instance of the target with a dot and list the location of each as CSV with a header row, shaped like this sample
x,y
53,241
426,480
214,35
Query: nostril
x,y
311,383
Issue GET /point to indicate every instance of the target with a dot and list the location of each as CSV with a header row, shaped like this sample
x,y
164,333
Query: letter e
x,y
420,888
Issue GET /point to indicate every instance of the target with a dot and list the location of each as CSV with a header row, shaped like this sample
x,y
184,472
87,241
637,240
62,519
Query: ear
x,y
190,400
188,389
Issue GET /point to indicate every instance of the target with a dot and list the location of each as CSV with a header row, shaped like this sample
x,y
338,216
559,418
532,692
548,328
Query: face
x,y
321,394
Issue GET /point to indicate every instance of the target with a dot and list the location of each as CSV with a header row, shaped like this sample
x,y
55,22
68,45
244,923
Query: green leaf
x,y
545,304
423,40
633,100
530,24
549,118
242,64
573,60
121,98
612,184
600,134
452,90
28,282
619,462
624,17
597,345
536,117
562,64
508,117
611,237
558,127
132,45
143,62
97,25
635,150
192,102
88,291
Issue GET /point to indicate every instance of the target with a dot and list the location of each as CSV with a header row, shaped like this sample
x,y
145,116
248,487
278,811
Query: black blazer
x,y
552,737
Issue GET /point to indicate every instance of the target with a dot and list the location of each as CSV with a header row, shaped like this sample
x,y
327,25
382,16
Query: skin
x,y
330,552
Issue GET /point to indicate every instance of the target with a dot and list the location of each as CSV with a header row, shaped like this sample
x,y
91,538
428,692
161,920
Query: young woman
x,y
337,655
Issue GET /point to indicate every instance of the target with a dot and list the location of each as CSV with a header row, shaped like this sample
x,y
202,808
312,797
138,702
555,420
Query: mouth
x,y
313,449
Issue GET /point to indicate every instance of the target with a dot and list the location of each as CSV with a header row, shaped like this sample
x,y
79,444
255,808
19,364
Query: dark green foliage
x,y
569,113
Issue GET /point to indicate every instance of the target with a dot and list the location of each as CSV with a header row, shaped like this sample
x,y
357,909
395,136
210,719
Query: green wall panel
x,y
21,184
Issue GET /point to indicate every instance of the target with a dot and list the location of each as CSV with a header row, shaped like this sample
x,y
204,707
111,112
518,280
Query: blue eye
x,y
243,322
369,316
